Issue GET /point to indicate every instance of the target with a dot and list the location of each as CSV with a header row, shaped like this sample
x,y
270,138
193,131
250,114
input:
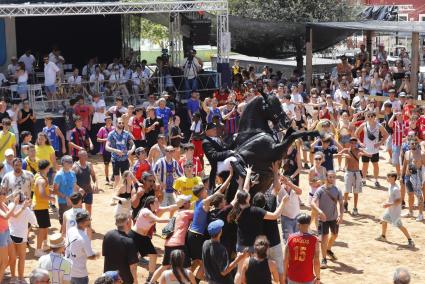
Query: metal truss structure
x,y
173,7
175,38
108,8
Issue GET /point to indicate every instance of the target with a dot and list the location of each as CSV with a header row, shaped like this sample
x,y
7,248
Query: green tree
x,y
296,11
156,33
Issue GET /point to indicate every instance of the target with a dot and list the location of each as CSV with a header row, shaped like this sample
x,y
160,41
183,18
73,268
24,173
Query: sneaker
x,y
407,215
39,253
377,184
411,243
420,218
324,264
363,182
331,255
381,238
355,212
345,207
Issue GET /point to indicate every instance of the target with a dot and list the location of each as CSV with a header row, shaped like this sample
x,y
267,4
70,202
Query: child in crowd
x,y
392,213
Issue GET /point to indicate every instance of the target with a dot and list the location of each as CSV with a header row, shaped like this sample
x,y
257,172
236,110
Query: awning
x,y
377,26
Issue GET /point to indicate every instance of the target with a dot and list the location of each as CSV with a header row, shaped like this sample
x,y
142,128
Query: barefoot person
x,y
413,161
392,213
325,201
353,177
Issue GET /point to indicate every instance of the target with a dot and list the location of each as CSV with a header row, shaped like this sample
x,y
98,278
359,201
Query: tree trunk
x,y
299,55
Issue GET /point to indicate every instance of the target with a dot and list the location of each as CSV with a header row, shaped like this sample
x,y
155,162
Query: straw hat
x,y
56,241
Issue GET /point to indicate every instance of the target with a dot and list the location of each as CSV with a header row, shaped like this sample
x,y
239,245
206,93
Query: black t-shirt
x,y
229,231
175,142
250,225
152,136
215,259
3,115
387,118
271,229
119,252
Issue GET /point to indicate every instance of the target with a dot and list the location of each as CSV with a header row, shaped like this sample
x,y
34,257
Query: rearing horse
x,y
257,144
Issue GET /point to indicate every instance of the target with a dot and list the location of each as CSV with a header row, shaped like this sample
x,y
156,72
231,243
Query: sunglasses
x,y
317,159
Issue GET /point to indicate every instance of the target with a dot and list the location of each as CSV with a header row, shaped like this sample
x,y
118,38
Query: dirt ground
x,y
361,259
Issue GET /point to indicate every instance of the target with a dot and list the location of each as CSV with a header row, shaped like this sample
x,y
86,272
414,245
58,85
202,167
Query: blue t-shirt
x,y
53,137
122,142
200,218
329,152
165,115
212,113
66,182
193,106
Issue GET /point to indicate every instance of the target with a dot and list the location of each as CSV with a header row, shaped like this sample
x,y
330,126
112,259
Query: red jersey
x,y
140,167
136,127
407,111
301,254
197,168
84,111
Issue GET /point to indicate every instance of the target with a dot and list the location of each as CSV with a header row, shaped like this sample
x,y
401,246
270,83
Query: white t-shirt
x,y
74,80
288,108
53,58
18,225
58,266
2,79
78,250
70,215
99,117
94,77
113,110
50,70
23,78
191,68
28,61
339,95
396,105
297,98
393,195
21,183
11,69
292,205
88,70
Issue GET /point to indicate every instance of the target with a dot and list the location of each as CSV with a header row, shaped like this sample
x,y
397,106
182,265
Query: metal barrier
x,y
132,91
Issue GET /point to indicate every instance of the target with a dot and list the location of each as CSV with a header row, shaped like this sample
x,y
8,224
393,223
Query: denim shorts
x,y
395,156
289,226
80,280
5,239
50,89
275,253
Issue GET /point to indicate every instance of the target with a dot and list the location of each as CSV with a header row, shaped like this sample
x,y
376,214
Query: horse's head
x,y
274,112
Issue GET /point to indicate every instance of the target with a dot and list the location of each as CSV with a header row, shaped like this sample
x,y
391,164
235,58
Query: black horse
x,y
257,144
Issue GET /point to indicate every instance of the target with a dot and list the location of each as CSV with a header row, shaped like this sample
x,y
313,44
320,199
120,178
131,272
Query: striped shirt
x,y
59,267
398,133
231,123
167,172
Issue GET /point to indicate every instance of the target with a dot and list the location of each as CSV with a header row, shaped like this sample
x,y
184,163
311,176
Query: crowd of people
x,y
163,175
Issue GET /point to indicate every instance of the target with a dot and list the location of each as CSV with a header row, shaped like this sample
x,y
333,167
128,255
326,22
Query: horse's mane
x,y
252,116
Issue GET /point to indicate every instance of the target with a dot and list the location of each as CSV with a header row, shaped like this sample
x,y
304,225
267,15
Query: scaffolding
x,y
174,8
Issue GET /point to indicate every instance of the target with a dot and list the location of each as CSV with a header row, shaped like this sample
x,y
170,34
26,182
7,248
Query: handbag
x,y
168,230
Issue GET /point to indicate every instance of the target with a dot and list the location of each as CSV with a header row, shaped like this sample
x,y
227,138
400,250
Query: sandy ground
x,y
361,259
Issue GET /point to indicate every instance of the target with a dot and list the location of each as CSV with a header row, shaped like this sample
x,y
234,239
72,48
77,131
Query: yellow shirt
x,y
7,141
39,202
44,152
185,186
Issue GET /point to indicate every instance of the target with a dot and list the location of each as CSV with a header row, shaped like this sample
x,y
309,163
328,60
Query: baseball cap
x,y
183,197
169,148
210,126
402,94
82,216
215,227
9,152
114,275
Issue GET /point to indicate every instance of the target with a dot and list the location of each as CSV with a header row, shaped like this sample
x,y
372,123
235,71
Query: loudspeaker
x,y
200,31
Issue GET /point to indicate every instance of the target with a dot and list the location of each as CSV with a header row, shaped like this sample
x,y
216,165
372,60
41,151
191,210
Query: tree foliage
x,y
295,11
156,33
